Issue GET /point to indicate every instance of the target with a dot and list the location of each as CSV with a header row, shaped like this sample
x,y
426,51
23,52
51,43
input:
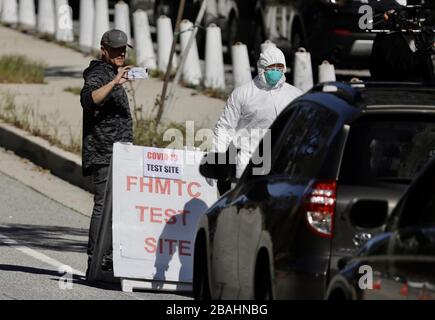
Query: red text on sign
x,y
163,186
153,245
159,215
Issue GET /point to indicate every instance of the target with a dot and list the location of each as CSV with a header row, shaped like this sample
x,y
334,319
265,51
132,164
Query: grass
x,y
215,93
46,127
20,69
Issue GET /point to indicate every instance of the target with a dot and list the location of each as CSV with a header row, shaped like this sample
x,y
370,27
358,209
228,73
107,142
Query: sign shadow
x,y
177,239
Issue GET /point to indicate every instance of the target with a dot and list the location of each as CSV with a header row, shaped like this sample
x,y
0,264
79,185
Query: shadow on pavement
x,y
76,279
62,72
56,238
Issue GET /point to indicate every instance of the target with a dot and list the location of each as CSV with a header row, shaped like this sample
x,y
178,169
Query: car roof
x,y
398,94
355,98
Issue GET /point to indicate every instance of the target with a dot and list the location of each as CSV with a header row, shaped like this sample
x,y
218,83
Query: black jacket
x,y
393,60
103,124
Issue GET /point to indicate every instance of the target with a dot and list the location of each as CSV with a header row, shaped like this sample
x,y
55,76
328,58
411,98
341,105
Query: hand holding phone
x,y
137,73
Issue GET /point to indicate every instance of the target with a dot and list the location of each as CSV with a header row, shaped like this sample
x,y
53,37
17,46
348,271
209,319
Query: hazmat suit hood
x,y
270,56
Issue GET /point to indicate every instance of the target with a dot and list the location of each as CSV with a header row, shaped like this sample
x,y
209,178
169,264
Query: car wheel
x,y
201,288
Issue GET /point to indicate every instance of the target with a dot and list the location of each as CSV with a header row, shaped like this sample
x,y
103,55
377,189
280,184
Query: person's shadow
x,y
178,236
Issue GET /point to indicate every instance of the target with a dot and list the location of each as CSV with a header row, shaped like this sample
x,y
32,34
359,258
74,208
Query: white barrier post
x,y
214,61
101,22
284,22
191,69
241,66
64,23
303,71
87,13
326,72
9,14
164,43
143,45
27,14
266,45
46,20
122,18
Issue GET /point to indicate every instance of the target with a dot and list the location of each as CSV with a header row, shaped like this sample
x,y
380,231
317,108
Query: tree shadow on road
x,y
56,238
76,279
63,71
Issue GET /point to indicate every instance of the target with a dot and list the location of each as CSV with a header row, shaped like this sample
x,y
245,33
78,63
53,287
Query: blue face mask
x,y
272,77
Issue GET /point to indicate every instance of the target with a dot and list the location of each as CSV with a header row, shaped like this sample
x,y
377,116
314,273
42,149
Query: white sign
x,y
162,163
155,218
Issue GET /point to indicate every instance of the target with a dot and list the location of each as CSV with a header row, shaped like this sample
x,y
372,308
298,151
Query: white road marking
x,y
37,255
48,260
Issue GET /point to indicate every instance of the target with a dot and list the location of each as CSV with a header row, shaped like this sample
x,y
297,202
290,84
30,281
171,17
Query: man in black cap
x,y
400,55
106,120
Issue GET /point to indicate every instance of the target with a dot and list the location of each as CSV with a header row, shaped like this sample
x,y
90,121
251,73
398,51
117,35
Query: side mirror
x,y
216,166
369,214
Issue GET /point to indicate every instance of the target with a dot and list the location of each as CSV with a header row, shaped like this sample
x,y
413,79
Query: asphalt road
x,y
39,240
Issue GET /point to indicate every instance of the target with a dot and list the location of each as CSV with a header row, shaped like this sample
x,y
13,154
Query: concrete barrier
x,y
303,71
192,69
101,22
164,43
86,33
9,14
64,22
122,18
46,18
241,66
214,61
143,44
27,14
326,72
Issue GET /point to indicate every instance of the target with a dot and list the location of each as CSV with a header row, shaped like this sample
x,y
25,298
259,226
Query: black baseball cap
x,y
115,39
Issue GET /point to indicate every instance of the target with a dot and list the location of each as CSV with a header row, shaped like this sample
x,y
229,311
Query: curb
x,y
61,163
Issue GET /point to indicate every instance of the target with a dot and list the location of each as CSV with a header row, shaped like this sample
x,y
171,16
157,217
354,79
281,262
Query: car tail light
x,y
319,207
342,32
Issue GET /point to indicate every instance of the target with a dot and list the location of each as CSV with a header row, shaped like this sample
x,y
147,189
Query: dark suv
x,y
281,235
330,30
400,263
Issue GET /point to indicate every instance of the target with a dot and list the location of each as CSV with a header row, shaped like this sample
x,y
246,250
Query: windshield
x,y
379,149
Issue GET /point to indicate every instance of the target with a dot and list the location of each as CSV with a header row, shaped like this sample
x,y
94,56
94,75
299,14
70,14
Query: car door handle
x,y
360,238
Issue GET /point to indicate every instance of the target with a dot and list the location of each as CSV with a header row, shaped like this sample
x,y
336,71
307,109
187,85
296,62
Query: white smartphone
x,y
137,73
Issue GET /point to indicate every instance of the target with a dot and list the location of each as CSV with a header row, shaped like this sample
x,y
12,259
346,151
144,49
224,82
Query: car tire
x,y
201,287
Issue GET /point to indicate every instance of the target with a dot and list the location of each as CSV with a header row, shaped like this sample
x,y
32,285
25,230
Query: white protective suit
x,y
254,105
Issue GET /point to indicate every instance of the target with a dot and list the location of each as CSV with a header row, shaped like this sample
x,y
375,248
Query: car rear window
x,y
386,149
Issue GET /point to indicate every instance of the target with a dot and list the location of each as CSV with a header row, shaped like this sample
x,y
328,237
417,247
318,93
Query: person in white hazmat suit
x,y
251,109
